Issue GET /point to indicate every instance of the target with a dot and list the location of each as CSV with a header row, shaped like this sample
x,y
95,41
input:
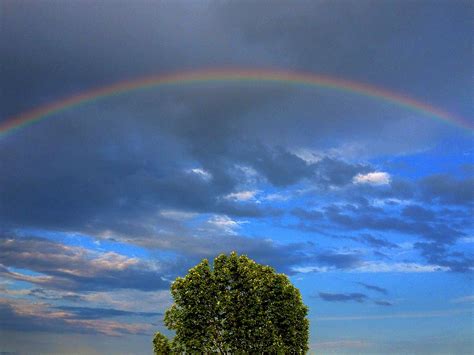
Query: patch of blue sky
x,y
15,284
26,272
452,156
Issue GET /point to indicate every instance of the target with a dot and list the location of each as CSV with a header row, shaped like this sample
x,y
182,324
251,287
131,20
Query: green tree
x,y
238,306
161,344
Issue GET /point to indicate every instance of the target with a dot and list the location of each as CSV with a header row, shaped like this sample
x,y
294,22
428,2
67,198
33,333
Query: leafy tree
x,y
161,344
238,306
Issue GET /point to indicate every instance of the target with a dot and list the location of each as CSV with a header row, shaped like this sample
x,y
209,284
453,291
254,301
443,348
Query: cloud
x,y
343,297
401,267
374,288
336,172
447,189
339,260
383,303
465,299
408,315
99,313
373,178
242,195
418,213
377,242
19,315
74,268
203,174
376,267
362,217
439,254
223,224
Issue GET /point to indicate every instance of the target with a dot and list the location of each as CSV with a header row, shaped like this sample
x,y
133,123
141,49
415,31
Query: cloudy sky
x,y
365,203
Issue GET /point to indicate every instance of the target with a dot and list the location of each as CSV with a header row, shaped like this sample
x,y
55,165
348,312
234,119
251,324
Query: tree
x,y
161,344
238,306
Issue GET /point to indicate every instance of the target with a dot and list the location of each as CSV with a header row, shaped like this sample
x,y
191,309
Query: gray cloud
x,y
338,260
383,303
447,189
19,315
374,288
439,254
376,221
343,297
417,213
377,242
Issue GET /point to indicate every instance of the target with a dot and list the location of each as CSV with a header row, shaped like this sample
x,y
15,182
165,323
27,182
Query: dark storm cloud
x,y
374,288
77,269
447,190
343,297
351,39
90,169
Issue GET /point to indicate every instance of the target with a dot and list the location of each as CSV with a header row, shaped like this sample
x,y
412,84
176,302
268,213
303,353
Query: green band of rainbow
x,y
229,75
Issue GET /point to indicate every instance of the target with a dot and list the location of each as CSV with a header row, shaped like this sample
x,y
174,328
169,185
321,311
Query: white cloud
x,y
371,266
276,197
310,156
224,224
203,174
177,215
242,195
376,267
467,240
374,178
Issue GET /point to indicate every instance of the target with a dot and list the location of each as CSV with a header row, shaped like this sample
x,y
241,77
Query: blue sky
x,y
366,205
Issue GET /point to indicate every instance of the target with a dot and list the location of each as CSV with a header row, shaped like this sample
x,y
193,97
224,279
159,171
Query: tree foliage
x,y
161,344
238,306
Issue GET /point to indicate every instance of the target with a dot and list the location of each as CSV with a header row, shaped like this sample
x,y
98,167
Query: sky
x,y
365,203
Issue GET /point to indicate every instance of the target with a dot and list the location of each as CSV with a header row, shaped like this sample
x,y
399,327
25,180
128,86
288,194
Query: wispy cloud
x,y
408,315
465,299
374,288
20,315
343,297
373,178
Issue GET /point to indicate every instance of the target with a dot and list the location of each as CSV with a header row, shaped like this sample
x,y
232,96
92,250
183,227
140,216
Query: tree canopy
x,y
237,306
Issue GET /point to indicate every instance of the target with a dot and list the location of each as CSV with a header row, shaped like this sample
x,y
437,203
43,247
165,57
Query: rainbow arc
x,y
30,117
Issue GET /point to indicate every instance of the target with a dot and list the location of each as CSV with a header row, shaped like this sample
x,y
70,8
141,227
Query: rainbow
x,y
27,118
